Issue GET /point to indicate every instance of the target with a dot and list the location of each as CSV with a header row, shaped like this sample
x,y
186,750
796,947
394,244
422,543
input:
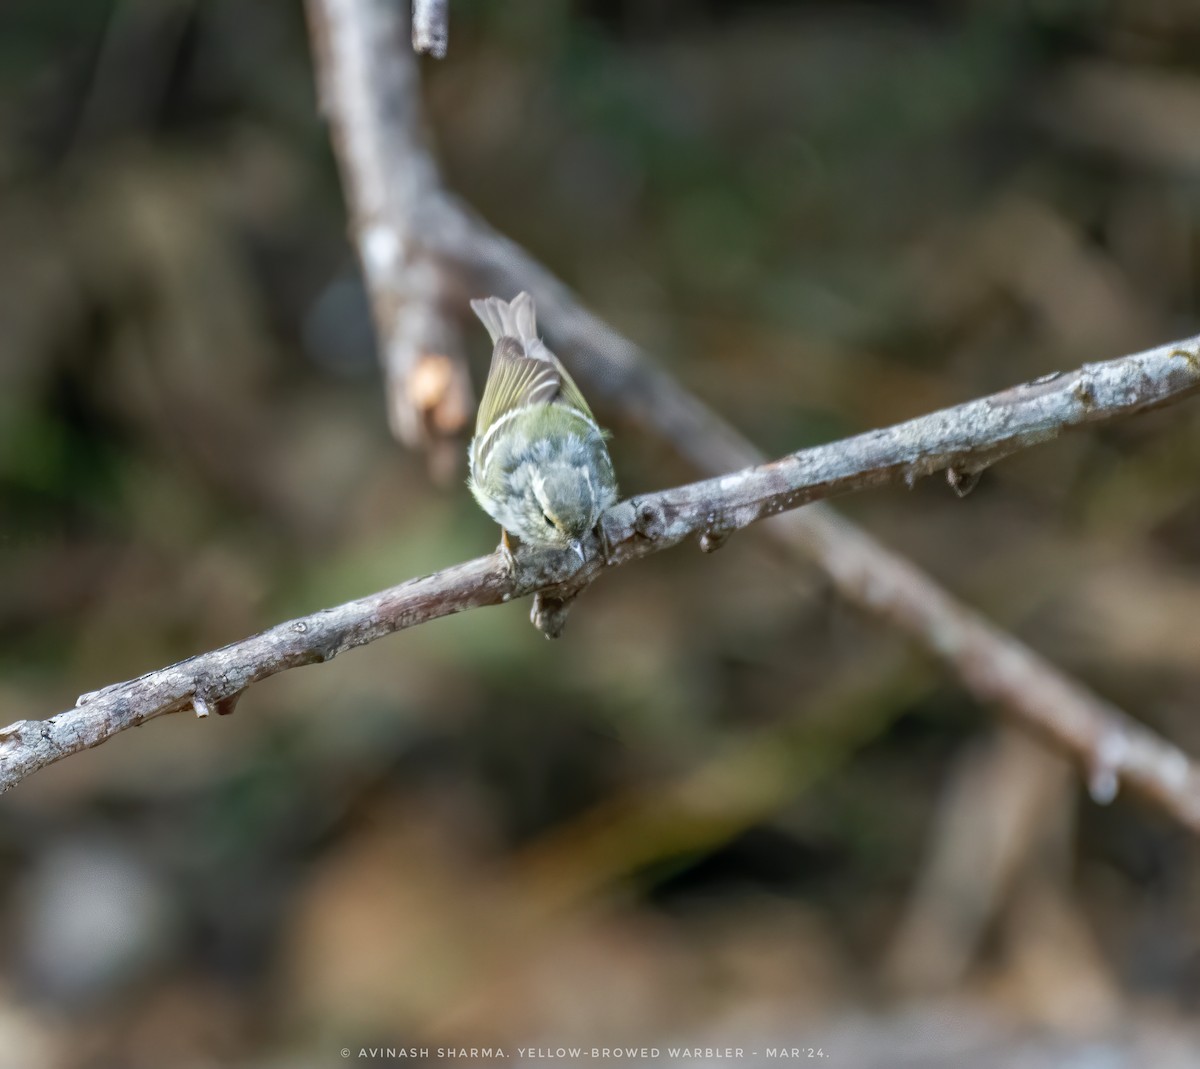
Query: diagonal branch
x,y
966,437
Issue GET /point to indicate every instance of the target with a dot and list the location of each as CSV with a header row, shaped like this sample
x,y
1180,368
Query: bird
x,y
539,461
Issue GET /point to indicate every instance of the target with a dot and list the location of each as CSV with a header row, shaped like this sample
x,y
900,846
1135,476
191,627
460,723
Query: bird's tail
x,y
508,319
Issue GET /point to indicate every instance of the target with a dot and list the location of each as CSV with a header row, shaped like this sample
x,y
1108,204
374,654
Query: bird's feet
x,y
506,552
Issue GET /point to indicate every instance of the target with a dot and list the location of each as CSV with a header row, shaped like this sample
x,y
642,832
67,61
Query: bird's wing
x,y
516,381
523,372
568,392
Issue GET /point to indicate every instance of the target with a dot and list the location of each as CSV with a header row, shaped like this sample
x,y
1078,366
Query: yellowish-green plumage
x,y
539,463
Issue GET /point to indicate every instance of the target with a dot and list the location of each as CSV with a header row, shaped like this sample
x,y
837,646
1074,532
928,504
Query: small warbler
x,y
539,464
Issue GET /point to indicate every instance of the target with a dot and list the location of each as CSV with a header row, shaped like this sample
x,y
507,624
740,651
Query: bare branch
x,y
210,679
371,98
967,436
431,27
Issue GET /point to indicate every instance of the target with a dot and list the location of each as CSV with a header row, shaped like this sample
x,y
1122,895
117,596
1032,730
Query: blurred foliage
x,y
723,797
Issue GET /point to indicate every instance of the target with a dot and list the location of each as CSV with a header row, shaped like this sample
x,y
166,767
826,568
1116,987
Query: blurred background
x,y
725,810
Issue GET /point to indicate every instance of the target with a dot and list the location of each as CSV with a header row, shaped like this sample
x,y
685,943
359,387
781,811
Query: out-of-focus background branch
x,y
823,218
387,182
431,26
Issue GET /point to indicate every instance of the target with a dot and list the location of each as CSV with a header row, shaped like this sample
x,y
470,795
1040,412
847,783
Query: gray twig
x,y
431,27
370,95
967,436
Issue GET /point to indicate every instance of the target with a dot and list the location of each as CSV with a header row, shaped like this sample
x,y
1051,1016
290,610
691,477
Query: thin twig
x,y
966,437
431,27
367,89
216,679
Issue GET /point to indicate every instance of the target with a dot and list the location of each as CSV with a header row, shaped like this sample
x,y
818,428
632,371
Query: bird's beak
x,y
577,546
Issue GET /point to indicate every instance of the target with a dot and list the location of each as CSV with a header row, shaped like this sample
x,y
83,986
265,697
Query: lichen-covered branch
x,y
212,682
965,437
370,95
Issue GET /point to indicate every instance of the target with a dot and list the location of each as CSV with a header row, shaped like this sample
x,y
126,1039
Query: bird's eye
x,y
549,521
